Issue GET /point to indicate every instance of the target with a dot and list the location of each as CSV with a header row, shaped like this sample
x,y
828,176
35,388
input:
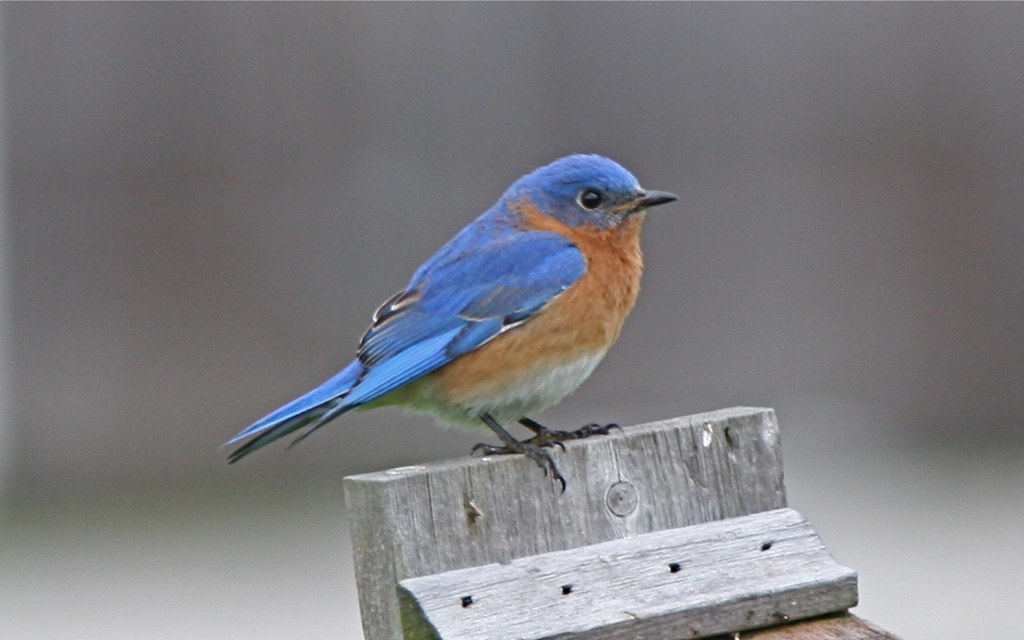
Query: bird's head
x,y
586,190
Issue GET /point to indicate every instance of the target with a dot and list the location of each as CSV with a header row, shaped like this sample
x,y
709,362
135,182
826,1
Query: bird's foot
x,y
532,450
535,452
549,437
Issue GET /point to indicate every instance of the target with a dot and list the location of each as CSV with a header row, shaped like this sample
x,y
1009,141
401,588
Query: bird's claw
x,y
536,448
546,437
489,449
533,451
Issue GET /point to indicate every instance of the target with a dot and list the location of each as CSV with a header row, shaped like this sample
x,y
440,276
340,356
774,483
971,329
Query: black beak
x,y
654,198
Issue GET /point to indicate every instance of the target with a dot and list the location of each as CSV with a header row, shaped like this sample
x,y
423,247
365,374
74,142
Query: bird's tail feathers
x,y
311,410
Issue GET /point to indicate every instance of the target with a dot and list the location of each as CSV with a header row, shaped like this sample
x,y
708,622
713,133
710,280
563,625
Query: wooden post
x,y
666,530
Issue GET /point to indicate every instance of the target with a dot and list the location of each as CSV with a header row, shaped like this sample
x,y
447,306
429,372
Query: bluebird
x,y
506,319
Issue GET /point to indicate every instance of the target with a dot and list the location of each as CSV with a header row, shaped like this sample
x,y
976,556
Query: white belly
x,y
528,394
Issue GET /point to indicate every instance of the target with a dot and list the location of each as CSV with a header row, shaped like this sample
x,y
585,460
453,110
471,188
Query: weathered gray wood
x,y
694,582
842,626
427,519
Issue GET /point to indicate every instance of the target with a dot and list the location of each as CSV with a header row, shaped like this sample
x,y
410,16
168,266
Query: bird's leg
x,y
533,451
548,437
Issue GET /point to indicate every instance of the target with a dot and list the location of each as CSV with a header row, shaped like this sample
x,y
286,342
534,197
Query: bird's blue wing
x,y
456,301
457,304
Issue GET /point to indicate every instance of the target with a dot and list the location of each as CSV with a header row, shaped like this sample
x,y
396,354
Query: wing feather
x,y
461,303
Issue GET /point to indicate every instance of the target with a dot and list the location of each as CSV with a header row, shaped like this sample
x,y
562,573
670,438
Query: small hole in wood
x,y
766,546
674,567
566,589
729,439
466,601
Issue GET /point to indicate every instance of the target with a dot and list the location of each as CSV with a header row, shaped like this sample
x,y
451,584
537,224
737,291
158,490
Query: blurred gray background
x,y
205,202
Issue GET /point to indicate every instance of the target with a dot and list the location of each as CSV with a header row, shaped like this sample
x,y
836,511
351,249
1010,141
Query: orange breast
x,y
584,319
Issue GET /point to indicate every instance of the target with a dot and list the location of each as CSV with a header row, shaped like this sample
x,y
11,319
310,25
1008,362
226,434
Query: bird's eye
x,y
589,199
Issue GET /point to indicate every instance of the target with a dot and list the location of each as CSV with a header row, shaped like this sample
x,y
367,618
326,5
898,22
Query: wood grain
x,y
428,519
841,626
693,582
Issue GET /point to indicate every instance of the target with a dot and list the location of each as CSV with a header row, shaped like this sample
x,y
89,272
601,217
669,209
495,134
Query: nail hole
x,y
766,546
674,567
729,440
566,589
466,601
